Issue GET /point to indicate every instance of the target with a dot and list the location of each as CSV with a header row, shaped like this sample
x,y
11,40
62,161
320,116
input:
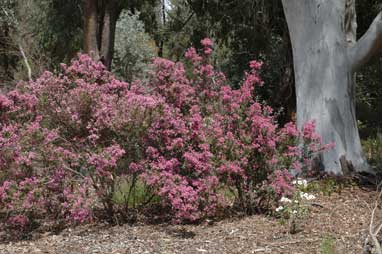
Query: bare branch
x,y
374,231
74,171
19,45
368,45
26,62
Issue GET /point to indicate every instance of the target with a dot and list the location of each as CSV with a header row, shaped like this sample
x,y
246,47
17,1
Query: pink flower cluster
x,y
185,134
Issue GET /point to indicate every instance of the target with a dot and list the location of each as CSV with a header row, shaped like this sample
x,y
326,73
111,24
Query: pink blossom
x,y
19,221
67,140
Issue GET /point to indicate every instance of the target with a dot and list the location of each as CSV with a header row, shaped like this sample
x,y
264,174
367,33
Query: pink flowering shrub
x,y
223,138
37,186
68,139
75,133
34,176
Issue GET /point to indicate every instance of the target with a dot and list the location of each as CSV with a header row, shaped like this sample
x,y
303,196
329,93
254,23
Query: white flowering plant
x,y
296,207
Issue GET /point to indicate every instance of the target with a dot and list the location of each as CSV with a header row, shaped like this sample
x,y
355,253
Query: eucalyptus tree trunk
x,y
90,28
100,19
110,17
325,57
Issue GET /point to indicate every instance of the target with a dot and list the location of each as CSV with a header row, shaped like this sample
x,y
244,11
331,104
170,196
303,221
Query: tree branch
x,y
14,20
368,45
374,231
26,62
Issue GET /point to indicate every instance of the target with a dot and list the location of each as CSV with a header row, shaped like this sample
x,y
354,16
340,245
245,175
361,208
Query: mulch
x,y
338,222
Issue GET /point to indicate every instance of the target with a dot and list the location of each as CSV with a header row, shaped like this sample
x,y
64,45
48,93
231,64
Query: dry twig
x,y
374,230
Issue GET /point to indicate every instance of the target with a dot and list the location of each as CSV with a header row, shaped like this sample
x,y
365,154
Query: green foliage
x,y
369,78
7,12
242,31
48,31
58,29
330,185
327,245
8,60
181,29
295,208
133,48
373,149
132,193
148,11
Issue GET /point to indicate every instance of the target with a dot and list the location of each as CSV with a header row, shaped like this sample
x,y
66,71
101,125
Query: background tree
x,y
40,28
53,31
326,56
100,19
242,31
369,78
134,48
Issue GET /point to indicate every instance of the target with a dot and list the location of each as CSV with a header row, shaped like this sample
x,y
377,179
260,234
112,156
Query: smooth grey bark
x,y
325,57
368,45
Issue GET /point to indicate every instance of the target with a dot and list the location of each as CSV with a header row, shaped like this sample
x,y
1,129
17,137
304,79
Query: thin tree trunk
x,y
163,21
90,28
322,35
108,32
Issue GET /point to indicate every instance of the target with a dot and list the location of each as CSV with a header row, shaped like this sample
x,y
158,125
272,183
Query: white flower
x,y
280,208
294,211
307,196
285,200
300,182
296,201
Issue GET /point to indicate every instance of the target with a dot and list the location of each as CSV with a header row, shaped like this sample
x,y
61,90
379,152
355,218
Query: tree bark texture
x,y
326,56
90,28
110,18
100,19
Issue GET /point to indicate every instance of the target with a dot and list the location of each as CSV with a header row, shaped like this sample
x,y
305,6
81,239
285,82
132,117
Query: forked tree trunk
x,y
326,56
100,19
